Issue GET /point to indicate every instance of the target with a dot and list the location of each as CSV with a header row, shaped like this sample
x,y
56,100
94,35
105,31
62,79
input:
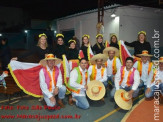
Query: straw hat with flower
x,y
50,57
96,90
98,56
122,99
144,53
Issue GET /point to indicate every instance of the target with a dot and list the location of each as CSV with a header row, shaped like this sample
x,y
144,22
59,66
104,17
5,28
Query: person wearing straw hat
x,y
51,81
96,90
113,63
144,67
96,70
153,82
127,78
78,84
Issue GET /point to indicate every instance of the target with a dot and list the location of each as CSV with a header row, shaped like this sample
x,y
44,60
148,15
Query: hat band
x,y
50,56
122,96
161,58
144,52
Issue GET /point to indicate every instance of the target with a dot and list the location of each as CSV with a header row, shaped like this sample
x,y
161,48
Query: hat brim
x,y
43,62
98,96
107,49
145,55
99,56
126,105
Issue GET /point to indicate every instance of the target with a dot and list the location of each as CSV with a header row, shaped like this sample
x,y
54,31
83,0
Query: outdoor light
x,y
0,34
113,15
55,31
25,31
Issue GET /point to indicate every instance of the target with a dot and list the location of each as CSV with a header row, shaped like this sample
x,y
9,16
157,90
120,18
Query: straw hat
x,y
96,90
99,56
145,53
50,57
161,59
107,49
122,99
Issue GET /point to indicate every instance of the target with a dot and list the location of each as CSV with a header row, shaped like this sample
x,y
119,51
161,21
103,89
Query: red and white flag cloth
x,y
107,43
89,52
81,54
26,76
124,53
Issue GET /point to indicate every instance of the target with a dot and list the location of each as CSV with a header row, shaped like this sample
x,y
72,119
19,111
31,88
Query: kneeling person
x,y
127,78
51,82
78,84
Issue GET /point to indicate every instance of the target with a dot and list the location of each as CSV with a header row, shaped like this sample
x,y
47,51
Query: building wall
x,y
129,21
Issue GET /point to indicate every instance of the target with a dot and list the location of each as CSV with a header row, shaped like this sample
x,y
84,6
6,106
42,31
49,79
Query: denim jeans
x,y
135,93
141,85
82,102
61,95
110,78
151,93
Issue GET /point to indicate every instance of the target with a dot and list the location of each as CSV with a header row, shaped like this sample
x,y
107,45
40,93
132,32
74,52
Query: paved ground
x,y
98,111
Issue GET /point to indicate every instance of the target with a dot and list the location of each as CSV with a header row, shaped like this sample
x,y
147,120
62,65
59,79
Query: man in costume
x,y
155,80
96,70
144,67
78,84
127,78
113,63
51,82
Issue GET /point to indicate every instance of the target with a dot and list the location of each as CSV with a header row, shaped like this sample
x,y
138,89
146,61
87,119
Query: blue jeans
x,y
61,95
151,93
82,102
141,85
110,78
135,93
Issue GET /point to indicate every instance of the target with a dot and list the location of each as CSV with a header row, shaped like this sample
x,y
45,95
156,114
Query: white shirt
x,y
144,75
98,75
73,83
123,84
150,78
109,66
43,84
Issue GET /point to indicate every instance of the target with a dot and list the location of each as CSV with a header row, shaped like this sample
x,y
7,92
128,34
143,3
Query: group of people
x,y
104,66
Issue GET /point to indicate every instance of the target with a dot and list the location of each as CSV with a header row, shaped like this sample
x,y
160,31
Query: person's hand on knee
x,y
56,90
148,90
52,100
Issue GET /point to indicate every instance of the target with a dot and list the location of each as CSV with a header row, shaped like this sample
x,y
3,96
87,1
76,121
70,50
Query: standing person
x,y
41,49
140,45
60,47
51,82
78,84
114,41
5,54
127,78
155,81
113,63
144,67
99,46
72,54
85,46
77,42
